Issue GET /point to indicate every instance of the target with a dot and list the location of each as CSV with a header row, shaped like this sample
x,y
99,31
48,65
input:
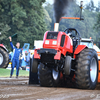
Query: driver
x,y
69,33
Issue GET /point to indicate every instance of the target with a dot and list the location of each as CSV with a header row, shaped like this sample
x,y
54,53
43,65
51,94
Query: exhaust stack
x,y
56,27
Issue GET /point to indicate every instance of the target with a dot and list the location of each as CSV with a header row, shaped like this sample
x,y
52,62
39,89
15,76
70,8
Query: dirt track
x,y
18,89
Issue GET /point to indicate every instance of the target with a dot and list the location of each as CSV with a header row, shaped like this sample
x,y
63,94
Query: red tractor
x,y
4,56
63,58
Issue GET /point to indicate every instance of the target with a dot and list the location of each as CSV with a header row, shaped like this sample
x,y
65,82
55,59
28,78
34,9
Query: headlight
x,y
54,42
46,42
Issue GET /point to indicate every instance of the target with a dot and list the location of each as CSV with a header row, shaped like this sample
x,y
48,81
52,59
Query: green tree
x,y
50,10
48,20
25,17
3,31
90,6
97,25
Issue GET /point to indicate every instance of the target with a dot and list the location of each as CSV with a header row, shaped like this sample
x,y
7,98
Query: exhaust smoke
x,y
60,8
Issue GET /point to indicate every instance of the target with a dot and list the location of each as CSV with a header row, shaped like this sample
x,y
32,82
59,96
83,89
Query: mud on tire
x,y
4,58
87,69
45,76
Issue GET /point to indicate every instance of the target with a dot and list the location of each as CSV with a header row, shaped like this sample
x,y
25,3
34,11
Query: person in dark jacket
x,y
16,54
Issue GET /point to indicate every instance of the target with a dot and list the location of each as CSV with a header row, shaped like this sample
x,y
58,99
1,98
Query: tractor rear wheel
x,y
48,77
4,58
87,69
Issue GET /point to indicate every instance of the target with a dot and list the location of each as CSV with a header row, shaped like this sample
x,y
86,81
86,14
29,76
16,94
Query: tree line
x,y
29,19
24,17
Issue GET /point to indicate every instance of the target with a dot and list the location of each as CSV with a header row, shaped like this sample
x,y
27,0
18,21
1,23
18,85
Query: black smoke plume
x,y
60,8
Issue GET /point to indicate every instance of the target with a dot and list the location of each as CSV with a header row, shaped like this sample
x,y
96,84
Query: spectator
x,y
15,61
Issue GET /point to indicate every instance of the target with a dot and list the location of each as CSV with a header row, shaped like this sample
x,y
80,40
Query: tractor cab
x,y
75,36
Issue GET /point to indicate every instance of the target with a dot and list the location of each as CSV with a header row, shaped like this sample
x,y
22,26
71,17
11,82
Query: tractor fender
x,y
36,55
79,49
99,73
3,47
99,67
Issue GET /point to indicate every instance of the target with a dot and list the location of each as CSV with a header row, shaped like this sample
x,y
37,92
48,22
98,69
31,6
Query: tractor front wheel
x,y
87,69
48,77
34,65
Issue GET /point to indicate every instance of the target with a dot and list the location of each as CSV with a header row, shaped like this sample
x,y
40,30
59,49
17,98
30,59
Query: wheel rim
x,y
1,58
55,74
93,69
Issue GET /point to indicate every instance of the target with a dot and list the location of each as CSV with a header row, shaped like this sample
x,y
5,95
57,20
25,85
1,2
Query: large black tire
x,y
4,58
67,67
34,65
86,74
46,78
33,77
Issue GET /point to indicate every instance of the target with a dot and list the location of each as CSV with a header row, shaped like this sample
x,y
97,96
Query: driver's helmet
x,y
69,32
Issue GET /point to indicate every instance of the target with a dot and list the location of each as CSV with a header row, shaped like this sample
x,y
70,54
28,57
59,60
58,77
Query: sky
x,y
78,1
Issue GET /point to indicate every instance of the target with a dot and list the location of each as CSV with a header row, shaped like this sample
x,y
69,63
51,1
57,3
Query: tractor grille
x,y
47,58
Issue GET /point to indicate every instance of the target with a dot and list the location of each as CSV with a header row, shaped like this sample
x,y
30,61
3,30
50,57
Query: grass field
x,y
6,72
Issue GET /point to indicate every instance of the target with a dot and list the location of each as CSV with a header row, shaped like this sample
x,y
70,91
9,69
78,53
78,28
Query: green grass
x,y
6,72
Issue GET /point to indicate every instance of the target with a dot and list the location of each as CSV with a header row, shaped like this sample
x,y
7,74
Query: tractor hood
x,y
57,40
51,40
